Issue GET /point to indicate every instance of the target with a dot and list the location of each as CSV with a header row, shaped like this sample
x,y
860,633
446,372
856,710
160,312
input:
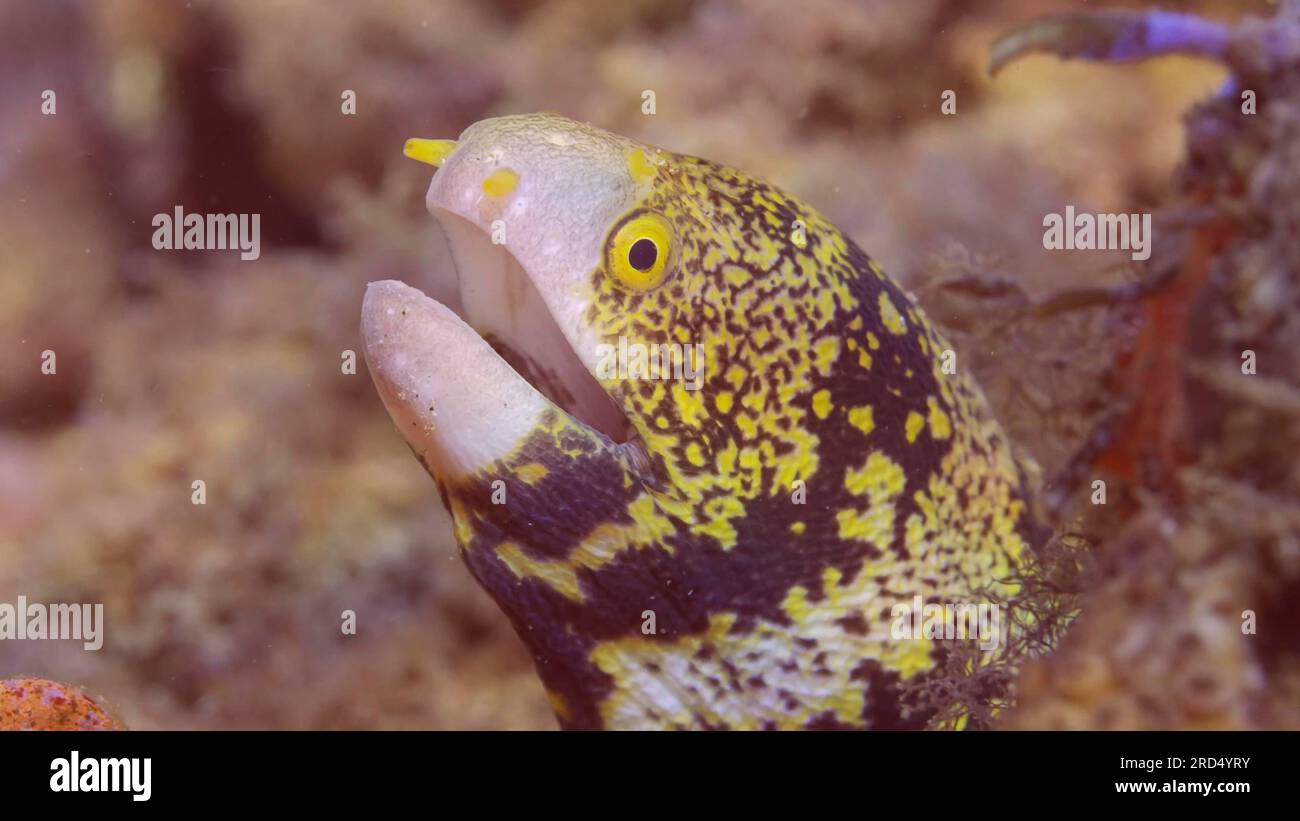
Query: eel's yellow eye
x,y
639,249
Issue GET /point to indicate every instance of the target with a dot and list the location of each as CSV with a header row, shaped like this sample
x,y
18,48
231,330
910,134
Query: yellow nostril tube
x,y
431,152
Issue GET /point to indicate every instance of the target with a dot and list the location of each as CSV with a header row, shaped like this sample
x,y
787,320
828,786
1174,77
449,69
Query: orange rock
x,y
40,704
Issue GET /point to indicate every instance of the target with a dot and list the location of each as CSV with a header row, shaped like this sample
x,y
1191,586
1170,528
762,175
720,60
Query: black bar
x,y
1032,771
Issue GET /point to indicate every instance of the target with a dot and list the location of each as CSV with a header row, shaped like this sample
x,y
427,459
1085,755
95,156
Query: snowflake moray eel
x,y
725,554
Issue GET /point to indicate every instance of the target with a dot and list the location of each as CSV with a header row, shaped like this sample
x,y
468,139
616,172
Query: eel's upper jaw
x,y
455,401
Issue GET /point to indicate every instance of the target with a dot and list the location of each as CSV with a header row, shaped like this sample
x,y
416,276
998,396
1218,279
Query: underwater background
x,y
176,366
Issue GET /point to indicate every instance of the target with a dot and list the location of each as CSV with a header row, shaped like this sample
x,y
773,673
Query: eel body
x,y
727,543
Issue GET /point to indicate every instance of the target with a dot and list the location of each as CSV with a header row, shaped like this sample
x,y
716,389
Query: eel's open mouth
x,y
499,300
462,377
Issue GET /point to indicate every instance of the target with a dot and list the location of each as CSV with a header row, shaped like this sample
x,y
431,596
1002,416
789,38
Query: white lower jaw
x,y
454,400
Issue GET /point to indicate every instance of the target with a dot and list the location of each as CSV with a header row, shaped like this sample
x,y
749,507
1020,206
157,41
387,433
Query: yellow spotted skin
x,y
738,569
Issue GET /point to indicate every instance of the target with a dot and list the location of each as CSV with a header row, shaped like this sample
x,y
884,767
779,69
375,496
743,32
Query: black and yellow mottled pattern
x,y
821,373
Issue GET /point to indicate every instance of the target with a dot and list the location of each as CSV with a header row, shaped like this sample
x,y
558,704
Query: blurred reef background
x,y
176,366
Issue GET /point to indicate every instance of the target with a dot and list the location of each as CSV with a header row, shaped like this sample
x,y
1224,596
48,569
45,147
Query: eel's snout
x,y
454,400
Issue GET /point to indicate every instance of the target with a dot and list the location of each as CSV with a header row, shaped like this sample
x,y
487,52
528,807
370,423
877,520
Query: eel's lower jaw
x,y
458,405
456,402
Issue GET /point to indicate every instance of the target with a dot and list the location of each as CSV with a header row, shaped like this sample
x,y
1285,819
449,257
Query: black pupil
x,y
643,254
